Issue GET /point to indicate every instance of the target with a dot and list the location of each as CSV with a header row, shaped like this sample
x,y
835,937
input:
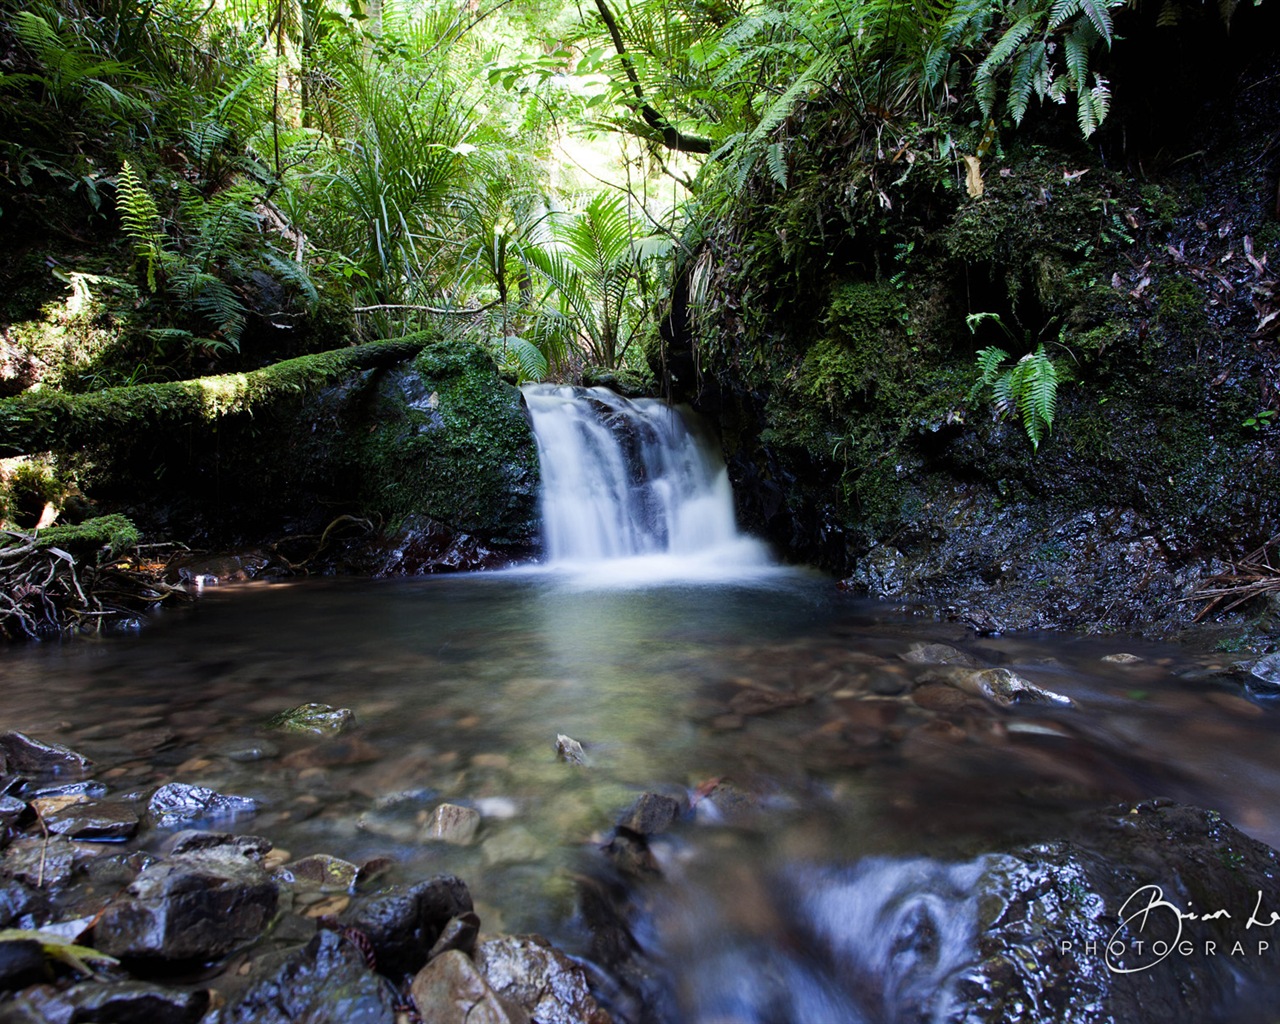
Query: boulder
x,y
327,982
653,813
451,990
528,971
194,907
128,1002
403,924
95,821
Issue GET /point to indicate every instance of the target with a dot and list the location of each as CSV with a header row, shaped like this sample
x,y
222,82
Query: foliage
x,y
1027,390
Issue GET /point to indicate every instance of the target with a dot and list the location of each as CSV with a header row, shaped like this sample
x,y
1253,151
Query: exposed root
x,y
1255,575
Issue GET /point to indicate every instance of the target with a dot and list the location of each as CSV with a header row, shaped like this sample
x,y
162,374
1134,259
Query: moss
x,y
115,533
1180,306
45,420
452,441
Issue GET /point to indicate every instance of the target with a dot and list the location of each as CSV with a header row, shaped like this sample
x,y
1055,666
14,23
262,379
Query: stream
x,y
808,733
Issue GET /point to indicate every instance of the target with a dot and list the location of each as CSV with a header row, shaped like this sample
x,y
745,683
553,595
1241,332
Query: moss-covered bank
x,y
417,442
835,354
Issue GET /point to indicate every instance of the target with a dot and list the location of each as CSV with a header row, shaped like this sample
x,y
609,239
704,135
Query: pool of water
x,y
777,687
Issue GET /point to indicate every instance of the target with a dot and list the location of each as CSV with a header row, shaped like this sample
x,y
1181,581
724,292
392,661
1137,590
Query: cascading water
x,y
632,480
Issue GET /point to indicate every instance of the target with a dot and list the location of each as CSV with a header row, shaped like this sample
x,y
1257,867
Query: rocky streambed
x,y
356,801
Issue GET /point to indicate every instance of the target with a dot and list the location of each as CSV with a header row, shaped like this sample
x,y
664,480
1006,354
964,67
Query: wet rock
x,y
945,699
90,789
1002,687
96,821
178,802
11,809
528,971
570,750
1122,658
653,813
451,990
451,823
320,871
1264,674
194,840
937,654
25,755
460,934
328,982
403,924
21,905
21,963
247,751
194,907
44,864
343,751
317,719
129,1002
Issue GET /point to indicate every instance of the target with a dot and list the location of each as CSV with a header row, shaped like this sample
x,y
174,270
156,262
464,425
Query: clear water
x,y
461,684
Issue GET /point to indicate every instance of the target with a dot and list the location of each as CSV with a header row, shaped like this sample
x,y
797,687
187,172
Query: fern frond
x,y
523,357
1099,14
776,160
1061,11
141,220
1030,69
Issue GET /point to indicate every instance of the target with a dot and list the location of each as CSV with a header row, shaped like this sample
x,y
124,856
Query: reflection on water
x,y
796,697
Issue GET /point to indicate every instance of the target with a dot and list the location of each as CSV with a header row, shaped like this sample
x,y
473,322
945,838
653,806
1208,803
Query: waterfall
x,y
625,479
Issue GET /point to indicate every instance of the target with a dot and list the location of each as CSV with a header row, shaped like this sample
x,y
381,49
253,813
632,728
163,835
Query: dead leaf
x,y
973,176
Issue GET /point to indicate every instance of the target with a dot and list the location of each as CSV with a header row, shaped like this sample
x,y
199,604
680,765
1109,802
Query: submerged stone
x,y
318,719
653,813
1002,687
570,750
95,821
451,823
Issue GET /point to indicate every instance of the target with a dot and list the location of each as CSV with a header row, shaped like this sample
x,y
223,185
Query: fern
x,y
141,220
1027,390
523,358
777,162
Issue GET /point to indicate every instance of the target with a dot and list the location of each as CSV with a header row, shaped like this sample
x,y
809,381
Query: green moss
x,y
1180,305
115,533
452,441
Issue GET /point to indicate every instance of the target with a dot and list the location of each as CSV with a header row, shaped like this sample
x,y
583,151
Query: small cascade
x,y
624,479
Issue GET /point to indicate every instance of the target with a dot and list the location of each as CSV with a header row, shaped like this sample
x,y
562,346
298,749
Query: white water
x,y
633,487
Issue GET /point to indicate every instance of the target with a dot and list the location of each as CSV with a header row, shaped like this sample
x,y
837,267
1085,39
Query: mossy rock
x,y
113,534
317,719
446,437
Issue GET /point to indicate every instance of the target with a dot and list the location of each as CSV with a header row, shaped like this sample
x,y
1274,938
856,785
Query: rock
x,y
512,846
45,865
451,823
21,963
90,789
21,905
459,934
328,982
937,654
570,750
27,756
96,821
1264,674
337,752
325,873
403,924
759,702
194,907
1122,658
317,719
128,1002
178,803
11,809
1002,687
193,840
451,990
528,971
653,813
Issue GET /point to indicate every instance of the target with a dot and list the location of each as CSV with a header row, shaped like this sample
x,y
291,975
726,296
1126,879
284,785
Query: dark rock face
x,y
21,963
178,802
96,821
194,907
328,982
404,924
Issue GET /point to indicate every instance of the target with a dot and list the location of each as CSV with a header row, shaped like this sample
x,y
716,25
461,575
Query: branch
x,y
671,136
438,310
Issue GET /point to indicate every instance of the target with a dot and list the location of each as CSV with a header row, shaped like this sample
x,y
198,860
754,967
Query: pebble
x,y
452,823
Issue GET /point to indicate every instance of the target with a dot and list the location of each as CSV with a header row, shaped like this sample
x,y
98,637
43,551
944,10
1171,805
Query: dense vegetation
x,y
801,202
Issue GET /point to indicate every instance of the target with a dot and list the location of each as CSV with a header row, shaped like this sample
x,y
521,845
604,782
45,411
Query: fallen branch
x,y
1251,577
